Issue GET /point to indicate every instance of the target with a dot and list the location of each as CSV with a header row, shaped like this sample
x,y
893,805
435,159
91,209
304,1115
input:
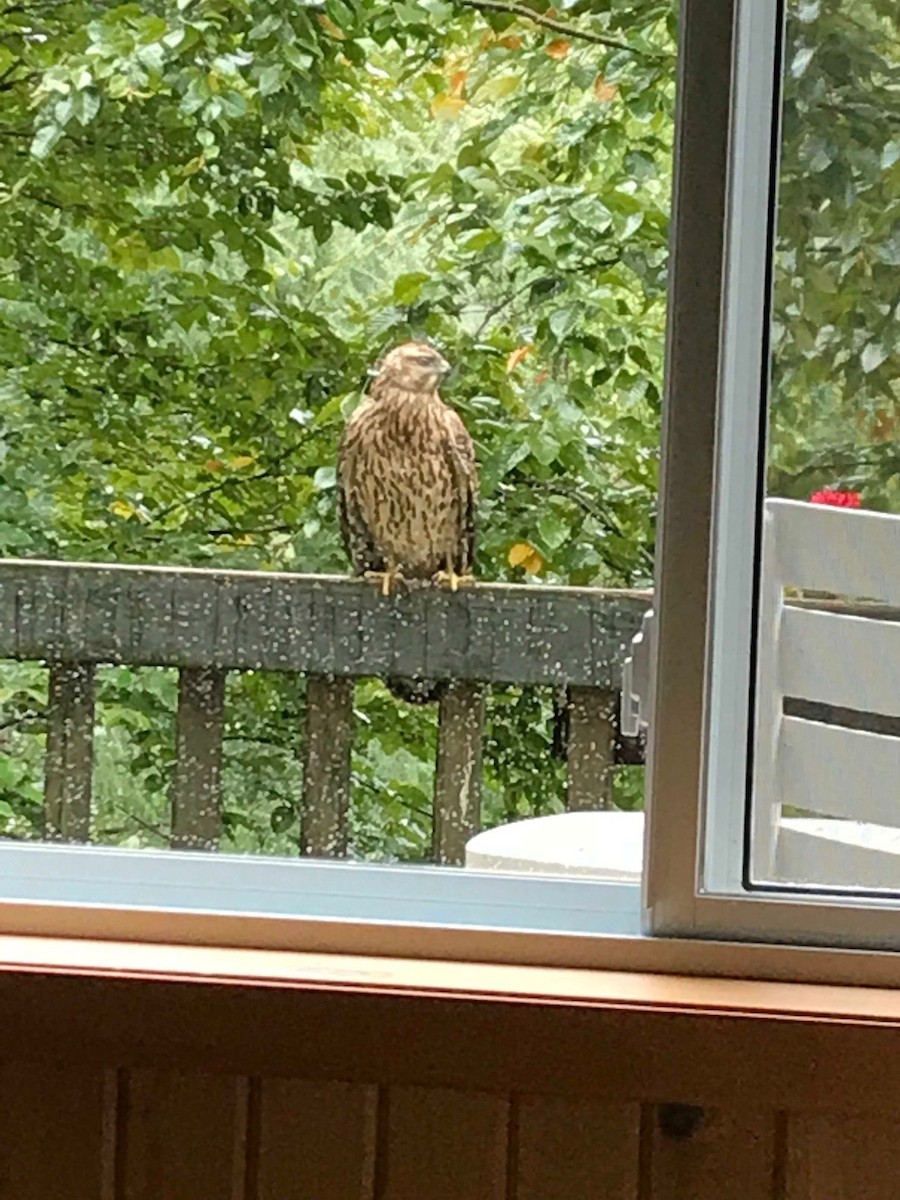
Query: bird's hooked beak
x,y
443,367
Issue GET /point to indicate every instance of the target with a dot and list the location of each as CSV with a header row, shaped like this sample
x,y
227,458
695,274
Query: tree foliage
x,y
837,317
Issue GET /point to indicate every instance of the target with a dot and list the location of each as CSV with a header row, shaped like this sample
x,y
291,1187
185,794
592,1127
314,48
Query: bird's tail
x,y
416,691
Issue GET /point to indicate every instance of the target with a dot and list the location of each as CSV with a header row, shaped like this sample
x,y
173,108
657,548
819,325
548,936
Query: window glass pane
x,y
215,223
827,806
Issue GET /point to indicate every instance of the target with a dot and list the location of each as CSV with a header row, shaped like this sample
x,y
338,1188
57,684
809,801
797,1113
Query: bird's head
x,y
412,367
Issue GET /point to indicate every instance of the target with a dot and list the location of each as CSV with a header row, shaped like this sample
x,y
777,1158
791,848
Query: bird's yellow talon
x,y
385,579
453,581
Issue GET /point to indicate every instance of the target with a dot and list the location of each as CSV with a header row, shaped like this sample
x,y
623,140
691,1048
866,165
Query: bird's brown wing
x,y
461,454
358,541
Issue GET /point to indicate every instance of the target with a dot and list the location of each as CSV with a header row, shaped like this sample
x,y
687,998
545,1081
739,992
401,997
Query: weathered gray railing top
x,y
323,625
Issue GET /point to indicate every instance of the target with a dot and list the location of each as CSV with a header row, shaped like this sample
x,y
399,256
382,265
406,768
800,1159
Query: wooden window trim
x,y
472,981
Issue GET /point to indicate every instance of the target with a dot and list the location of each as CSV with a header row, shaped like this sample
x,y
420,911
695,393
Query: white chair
x,y
605,846
844,782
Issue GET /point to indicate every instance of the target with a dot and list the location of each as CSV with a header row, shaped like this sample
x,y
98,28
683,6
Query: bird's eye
x,y
425,360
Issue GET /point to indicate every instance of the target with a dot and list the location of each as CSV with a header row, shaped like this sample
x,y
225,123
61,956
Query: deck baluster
x,y
68,765
457,776
326,776
197,784
592,741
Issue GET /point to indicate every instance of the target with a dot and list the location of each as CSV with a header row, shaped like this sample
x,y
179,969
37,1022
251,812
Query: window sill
x,y
714,995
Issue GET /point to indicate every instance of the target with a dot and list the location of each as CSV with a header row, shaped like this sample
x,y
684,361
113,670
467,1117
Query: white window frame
x,y
696,831
440,913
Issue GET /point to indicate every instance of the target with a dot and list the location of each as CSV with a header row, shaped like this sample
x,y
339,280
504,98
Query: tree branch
x,y
261,532
271,472
147,826
7,84
581,269
513,9
212,490
361,781
49,202
573,491
30,714
498,308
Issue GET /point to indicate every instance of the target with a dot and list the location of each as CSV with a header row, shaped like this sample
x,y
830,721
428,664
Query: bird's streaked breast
x,y
405,484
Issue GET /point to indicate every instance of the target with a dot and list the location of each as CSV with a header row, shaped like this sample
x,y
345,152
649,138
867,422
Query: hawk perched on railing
x,y
407,479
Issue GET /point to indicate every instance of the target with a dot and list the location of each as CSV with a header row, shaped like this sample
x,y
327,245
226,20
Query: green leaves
x,y
215,221
45,139
836,321
408,287
872,357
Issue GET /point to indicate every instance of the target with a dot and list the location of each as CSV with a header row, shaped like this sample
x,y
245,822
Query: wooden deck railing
x,y
209,622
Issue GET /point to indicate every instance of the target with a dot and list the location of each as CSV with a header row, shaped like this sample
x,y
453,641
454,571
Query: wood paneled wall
x,y
72,1133
117,1088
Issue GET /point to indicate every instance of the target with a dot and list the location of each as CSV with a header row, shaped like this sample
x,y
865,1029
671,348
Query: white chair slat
x,y
851,552
836,772
851,662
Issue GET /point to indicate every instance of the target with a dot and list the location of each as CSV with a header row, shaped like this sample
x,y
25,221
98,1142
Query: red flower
x,y
837,499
